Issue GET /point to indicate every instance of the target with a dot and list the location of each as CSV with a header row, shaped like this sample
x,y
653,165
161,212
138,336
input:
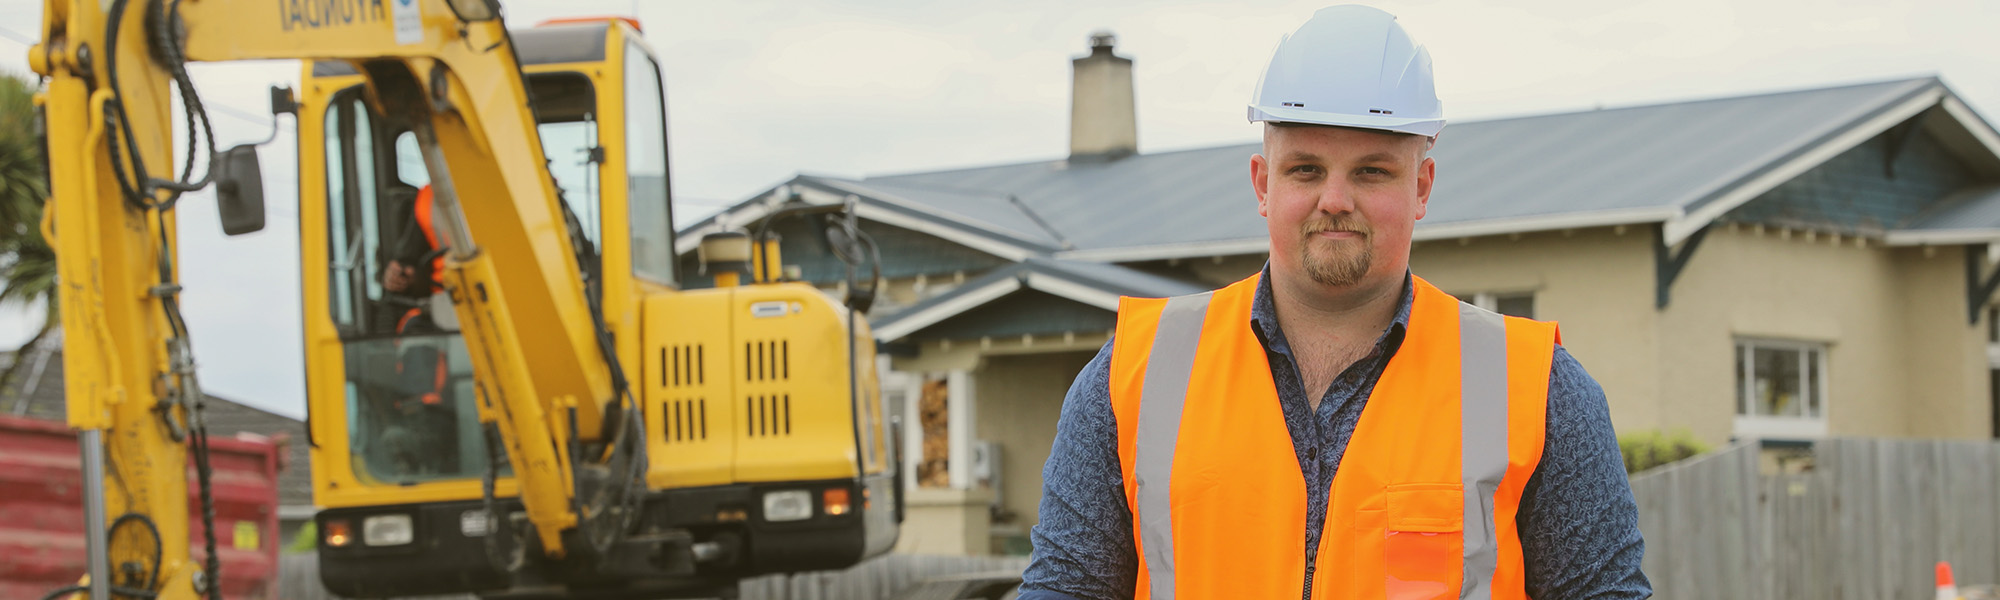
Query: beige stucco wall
x,y
1902,360
1752,282
1944,356
1021,399
1597,283
944,521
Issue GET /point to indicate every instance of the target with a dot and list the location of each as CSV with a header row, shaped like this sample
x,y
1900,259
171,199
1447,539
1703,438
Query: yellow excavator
x,y
509,391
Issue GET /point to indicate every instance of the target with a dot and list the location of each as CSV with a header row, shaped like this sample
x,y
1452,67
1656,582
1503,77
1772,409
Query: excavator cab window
x,y
410,398
566,119
646,168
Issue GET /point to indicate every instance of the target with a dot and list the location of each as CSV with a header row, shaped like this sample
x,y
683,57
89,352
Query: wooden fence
x,y
877,579
1867,521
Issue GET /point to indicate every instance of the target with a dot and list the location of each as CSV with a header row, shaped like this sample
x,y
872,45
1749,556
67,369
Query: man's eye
x,y
1304,170
1372,172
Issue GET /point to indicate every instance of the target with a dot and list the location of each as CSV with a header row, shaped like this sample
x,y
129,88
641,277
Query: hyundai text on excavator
x,y
509,393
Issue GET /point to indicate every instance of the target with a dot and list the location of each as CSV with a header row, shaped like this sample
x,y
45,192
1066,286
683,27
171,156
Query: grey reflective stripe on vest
x,y
1164,393
1483,436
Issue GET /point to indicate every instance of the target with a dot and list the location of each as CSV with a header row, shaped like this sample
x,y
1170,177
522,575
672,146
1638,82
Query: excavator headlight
x,y
836,501
387,530
338,534
788,505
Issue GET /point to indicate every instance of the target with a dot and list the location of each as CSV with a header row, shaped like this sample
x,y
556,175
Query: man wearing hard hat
x,y
1335,427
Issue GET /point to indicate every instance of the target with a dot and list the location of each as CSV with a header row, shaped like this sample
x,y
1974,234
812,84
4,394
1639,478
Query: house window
x,y
1780,388
1513,304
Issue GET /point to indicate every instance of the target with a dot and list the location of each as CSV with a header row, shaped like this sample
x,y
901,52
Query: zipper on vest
x,y
1311,565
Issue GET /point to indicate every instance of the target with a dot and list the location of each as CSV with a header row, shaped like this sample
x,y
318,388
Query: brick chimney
x,y
1102,124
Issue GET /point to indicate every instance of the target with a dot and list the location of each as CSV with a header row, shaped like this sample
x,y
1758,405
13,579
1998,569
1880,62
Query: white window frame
x,y
1812,425
1993,336
1491,300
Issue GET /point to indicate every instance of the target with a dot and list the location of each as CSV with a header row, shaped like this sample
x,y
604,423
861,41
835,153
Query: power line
x,y
244,115
17,37
223,109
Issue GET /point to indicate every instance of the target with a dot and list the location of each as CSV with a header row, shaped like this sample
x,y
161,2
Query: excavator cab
x,y
410,405
764,442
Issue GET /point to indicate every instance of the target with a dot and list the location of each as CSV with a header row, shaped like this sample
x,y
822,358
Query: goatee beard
x,y
1328,266
1338,270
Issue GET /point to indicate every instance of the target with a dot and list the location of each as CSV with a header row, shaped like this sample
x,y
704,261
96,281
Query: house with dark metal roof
x,y
1779,266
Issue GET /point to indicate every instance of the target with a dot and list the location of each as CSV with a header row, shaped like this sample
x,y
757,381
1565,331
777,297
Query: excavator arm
x,y
445,69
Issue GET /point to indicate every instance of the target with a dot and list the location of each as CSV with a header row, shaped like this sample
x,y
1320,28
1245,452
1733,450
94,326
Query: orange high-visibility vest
x,y
422,212
1423,503
423,215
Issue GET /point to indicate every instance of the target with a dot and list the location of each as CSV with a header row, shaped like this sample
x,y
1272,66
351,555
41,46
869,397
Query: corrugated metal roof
x,y
1112,278
1641,164
987,212
1099,278
1169,197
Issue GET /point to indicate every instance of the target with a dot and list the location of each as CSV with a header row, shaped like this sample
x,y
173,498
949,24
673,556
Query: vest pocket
x,y
1424,541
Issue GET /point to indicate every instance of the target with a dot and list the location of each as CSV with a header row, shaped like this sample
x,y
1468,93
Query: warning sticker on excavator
x,y
769,309
409,18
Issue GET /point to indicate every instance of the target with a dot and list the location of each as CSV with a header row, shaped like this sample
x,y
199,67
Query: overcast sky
x,y
761,90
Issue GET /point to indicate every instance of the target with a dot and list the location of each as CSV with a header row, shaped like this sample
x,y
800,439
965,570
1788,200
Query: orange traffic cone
x,y
1946,589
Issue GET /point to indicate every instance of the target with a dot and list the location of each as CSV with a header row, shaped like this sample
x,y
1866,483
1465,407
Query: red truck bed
x,y
41,511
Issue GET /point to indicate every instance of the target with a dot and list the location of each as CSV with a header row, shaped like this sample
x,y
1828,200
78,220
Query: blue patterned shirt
x,y
1578,524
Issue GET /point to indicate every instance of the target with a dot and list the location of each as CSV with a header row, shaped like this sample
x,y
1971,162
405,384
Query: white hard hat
x,y
1350,66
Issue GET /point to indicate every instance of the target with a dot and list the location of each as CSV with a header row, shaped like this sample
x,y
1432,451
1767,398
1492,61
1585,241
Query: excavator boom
x,y
449,72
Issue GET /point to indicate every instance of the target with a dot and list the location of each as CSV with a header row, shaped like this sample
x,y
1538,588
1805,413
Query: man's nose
x,y
1335,199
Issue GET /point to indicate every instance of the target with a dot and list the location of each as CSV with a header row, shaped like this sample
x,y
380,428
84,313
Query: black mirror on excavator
x,y
470,11
239,190
283,101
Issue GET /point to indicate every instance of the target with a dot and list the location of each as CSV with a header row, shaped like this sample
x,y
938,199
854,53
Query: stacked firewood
x,y
935,414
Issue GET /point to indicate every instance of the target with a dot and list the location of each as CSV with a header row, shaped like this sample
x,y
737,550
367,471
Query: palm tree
x,y
26,262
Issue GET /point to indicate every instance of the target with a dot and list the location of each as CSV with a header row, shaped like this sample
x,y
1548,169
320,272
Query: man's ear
x,y
1259,169
1426,175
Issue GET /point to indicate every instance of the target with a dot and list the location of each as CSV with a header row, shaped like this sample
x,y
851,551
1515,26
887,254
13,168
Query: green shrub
x,y
1651,448
306,540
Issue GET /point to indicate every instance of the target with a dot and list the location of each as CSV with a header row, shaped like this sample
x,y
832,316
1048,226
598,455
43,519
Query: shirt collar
x,y
1264,317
